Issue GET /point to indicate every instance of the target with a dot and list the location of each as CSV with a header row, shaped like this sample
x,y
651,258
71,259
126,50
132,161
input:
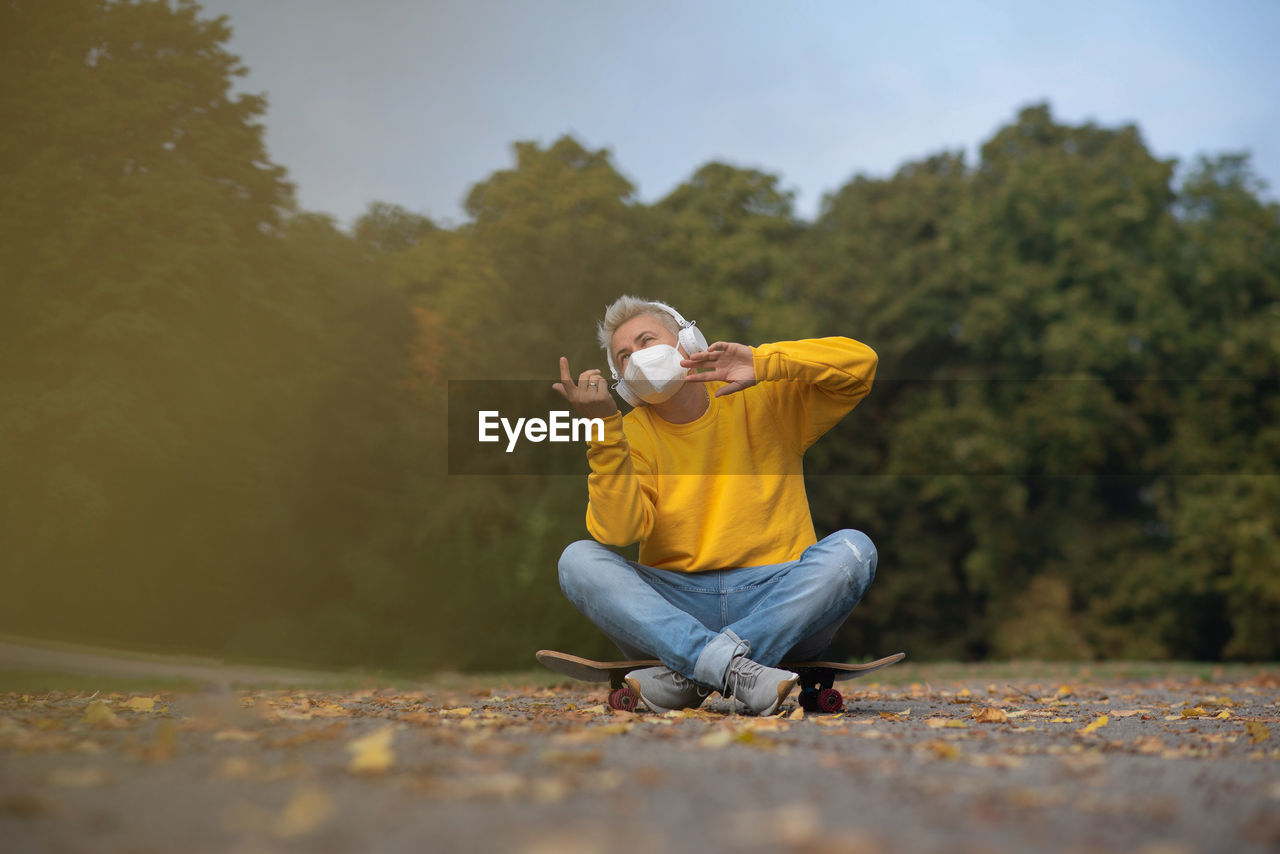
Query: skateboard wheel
x,y
829,700
623,699
809,701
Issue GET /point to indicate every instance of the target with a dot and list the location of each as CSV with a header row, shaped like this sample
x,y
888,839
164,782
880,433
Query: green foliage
x,y
224,421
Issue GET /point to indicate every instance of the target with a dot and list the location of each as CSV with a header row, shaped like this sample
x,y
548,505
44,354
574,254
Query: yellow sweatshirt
x,y
726,490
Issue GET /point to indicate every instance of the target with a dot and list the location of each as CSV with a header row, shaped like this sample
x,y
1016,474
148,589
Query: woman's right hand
x,y
589,396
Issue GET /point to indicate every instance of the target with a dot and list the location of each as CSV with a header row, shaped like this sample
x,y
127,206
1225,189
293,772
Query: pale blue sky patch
x,y
413,102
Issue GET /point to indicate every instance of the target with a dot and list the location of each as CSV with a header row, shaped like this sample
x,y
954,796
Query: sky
x,y
414,101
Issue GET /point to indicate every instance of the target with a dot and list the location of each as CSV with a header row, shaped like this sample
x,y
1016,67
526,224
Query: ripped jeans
x,y
689,621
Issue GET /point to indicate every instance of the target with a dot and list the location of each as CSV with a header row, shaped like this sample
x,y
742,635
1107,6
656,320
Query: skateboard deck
x,y
816,677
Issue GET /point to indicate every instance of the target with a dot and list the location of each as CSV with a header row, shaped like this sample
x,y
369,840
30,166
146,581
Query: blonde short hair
x,y
626,308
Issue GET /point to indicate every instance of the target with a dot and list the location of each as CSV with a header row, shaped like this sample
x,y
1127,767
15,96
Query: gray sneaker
x,y
761,689
662,689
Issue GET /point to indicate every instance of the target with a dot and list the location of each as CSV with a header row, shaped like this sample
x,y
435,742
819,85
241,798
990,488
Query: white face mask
x,y
653,374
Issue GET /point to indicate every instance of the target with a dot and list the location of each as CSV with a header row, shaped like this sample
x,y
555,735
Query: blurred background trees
x,y
224,419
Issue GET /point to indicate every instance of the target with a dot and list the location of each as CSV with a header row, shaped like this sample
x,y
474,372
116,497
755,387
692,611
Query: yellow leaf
x,y
306,811
162,749
141,704
717,739
1197,712
965,692
372,754
1099,723
98,714
1065,690
797,715
235,735
943,749
1257,731
236,768
1223,715
1062,720
771,724
293,715
991,715
1127,713
456,713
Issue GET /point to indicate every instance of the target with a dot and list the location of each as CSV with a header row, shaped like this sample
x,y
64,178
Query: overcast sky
x,y
414,101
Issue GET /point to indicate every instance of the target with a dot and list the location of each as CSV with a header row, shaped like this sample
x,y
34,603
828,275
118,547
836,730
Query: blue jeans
x,y
692,622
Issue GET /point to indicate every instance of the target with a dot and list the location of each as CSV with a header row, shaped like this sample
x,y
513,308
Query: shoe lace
x,y
742,675
683,683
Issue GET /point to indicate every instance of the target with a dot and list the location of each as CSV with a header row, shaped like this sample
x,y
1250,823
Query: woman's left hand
x,y
724,361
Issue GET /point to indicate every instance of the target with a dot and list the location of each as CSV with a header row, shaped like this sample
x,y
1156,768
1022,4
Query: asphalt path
x,y
1164,765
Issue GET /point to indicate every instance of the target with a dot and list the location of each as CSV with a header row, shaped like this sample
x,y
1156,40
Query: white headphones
x,y
690,339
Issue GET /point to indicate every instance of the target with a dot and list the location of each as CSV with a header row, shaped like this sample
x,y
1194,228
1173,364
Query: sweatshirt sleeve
x,y
620,490
814,383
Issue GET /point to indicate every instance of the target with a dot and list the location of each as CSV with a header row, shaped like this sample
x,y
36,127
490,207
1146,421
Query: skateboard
x,y
816,677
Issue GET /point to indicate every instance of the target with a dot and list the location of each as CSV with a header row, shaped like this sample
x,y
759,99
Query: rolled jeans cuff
x,y
713,662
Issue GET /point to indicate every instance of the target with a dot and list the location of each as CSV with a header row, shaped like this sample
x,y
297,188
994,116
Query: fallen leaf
x,y
765,724
1257,731
572,757
1128,713
236,735
306,811
719,738
1096,725
991,715
797,715
162,749
462,712
942,749
945,723
420,717
995,760
293,715
371,754
99,715
1197,712
236,768
141,704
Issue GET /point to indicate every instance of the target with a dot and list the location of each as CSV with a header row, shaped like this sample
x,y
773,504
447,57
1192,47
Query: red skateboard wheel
x,y
830,700
623,699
